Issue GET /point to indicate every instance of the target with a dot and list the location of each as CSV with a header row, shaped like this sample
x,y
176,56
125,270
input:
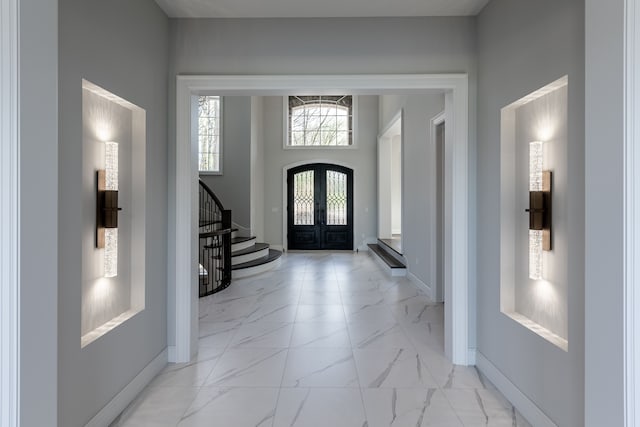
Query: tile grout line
x,y
286,360
353,355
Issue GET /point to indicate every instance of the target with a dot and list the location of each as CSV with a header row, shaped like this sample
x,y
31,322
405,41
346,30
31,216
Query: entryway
x,y
320,207
183,269
390,185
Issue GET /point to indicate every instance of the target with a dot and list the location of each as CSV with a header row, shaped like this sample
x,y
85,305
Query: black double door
x,y
320,207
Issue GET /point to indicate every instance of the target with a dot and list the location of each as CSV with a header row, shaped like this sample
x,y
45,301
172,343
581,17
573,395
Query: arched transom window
x,y
320,121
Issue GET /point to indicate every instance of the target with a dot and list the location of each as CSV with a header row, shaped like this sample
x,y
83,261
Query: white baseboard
x,y
171,351
526,406
422,285
393,272
120,402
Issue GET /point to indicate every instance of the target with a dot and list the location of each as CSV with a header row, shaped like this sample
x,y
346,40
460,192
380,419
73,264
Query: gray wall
x,y
361,159
38,133
605,160
122,47
233,186
257,167
330,46
523,46
419,204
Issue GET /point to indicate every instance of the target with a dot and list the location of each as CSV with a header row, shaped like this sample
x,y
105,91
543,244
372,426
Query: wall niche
x,y
113,277
533,283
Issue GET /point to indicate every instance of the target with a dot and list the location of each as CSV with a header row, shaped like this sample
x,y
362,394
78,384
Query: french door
x,y
320,207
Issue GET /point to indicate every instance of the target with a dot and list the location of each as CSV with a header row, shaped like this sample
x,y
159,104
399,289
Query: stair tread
x,y
391,244
241,239
388,259
251,249
273,255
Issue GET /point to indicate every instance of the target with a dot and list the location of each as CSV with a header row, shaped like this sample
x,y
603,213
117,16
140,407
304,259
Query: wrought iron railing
x,y
214,243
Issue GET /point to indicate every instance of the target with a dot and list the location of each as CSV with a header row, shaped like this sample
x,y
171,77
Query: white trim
x,y
243,245
241,259
171,353
632,215
456,87
456,252
428,289
393,272
354,128
437,296
121,400
9,216
285,195
186,245
258,269
523,404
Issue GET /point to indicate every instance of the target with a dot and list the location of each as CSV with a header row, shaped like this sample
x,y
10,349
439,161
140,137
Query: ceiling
x,y
318,8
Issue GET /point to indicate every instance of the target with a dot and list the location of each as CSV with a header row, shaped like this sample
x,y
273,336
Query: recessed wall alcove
x,y
107,302
539,305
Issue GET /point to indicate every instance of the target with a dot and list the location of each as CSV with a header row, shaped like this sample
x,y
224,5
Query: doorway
x,y
320,207
390,184
183,200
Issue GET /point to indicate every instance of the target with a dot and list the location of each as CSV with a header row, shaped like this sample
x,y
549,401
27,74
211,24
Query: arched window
x,y
320,121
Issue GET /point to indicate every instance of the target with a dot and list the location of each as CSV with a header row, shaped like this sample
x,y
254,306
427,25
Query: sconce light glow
x,y
103,131
545,132
111,234
536,158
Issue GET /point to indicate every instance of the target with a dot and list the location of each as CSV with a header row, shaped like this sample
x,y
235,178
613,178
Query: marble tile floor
x,y
326,340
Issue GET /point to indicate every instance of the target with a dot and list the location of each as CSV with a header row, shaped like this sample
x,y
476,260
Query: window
x,y
209,134
320,121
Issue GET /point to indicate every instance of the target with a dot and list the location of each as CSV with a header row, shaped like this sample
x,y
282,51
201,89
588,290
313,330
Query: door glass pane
x,y
303,209
336,198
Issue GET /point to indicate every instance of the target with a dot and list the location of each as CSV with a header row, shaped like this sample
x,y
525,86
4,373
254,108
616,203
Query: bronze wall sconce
x,y
540,210
106,208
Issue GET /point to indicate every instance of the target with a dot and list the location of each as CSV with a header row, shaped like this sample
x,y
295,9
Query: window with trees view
x,y
320,121
209,134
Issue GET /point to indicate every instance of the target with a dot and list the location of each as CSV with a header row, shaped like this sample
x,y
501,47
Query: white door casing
x,y
185,202
9,215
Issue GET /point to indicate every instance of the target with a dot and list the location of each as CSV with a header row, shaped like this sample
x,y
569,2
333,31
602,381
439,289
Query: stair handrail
x,y
210,192
215,243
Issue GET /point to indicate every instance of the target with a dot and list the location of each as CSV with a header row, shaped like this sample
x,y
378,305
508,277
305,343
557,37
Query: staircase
x,y
249,257
389,257
223,255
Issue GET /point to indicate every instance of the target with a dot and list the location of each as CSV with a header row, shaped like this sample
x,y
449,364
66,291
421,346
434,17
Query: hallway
x,y
327,339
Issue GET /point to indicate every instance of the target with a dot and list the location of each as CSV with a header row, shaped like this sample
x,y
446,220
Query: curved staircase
x,y
249,257
223,255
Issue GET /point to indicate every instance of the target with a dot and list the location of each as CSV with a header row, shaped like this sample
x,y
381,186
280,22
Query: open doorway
x,y
184,270
390,184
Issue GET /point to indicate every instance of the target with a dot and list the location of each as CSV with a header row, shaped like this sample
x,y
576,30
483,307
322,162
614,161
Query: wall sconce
x,y
539,209
107,210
